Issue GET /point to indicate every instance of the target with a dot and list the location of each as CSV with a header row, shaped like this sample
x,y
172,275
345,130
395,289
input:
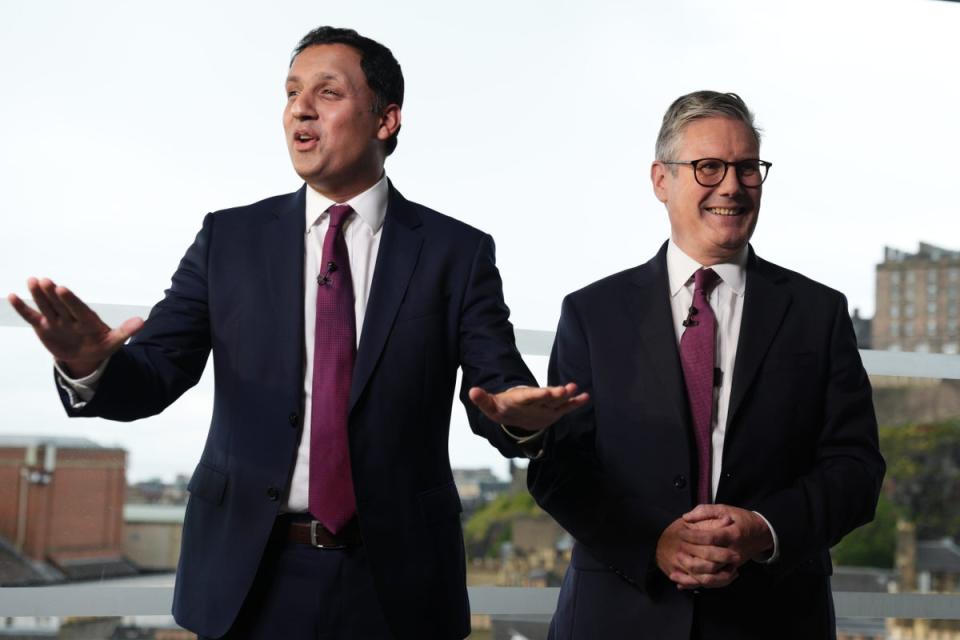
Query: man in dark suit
x,y
731,439
323,505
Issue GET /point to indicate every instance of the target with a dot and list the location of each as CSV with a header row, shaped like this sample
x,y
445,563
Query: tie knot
x,y
705,280
338,213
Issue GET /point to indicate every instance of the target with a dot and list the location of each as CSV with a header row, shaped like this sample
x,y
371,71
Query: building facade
x,y
918,295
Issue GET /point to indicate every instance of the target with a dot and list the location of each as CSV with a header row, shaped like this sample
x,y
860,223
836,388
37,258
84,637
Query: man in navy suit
x,y
707,511
423,298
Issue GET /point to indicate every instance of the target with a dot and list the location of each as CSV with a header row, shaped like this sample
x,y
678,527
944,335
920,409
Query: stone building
x,y
917,298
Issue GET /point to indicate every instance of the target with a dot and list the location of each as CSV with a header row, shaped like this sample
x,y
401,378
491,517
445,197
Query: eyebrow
x,y
325,75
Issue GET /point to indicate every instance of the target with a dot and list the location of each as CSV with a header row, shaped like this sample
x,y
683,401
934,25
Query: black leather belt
x,y
305,531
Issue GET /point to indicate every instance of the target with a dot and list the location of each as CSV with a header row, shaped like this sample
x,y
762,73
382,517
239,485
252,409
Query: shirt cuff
x,y
775,554
80,391
530,443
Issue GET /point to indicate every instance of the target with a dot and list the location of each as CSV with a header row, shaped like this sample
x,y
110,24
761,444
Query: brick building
x,y
61,505
918,295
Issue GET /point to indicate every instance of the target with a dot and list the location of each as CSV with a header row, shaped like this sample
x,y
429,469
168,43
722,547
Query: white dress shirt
x,y
362,231
726,300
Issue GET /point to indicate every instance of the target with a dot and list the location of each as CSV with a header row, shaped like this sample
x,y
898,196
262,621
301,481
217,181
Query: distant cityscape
x,y
67,514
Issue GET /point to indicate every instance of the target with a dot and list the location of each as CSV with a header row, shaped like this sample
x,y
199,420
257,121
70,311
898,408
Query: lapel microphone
x,y
324,278
690,322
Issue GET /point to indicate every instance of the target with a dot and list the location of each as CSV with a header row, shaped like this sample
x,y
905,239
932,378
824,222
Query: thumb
x,y
484,401
127,329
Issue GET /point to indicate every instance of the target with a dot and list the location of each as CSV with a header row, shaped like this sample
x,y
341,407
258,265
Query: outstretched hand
x,y
70,330
530,408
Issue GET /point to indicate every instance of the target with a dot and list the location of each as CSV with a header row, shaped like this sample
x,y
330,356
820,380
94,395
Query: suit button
x,y
680,482
727,475
273,494
293,419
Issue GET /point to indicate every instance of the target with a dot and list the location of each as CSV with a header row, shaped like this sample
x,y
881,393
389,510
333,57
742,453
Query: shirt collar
x,y
681,267
370,205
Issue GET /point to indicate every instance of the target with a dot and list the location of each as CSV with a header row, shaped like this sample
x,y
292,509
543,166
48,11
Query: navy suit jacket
x,y
801,449
436,304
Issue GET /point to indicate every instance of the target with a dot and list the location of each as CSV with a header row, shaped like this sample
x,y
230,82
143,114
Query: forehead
x,y
716,137
328,61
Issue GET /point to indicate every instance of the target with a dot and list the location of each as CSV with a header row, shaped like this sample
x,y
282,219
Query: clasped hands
x,y
706,547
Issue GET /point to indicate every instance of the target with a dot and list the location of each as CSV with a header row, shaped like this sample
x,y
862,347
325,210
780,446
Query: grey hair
x,y
694,106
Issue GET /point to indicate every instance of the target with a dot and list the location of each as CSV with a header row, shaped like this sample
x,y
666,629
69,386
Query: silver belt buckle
x,y
313,538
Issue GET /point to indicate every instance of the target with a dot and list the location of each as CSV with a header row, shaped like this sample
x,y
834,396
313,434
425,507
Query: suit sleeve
x,y
569,483
168,355
488,354
840,491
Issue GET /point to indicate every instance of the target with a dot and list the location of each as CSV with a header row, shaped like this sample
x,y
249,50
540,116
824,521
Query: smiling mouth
x,y
725,211
302,137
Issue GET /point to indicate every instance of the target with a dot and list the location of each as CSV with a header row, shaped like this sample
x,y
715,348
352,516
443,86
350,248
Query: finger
x,y
573,403
486,402
33,318
49,287
715,523
123,333
705,512
41,300
717,580
77,307
683,580
716,537
719,557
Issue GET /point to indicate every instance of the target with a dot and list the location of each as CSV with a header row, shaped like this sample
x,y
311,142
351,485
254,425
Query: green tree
x,y
873,544
923,475
490,526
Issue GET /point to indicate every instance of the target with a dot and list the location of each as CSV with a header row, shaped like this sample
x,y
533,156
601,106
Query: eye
x,y
292,94
709,166
748,167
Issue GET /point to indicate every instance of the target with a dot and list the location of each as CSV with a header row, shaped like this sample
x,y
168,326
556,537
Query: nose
x,y
730,185
301,107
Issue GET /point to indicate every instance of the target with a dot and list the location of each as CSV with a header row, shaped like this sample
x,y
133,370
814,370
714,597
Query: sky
x,y
122,123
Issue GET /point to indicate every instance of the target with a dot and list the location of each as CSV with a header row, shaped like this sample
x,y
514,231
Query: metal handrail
x,y
106,600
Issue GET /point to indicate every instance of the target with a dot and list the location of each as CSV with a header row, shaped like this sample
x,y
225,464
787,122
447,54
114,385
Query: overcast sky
x,y
122,123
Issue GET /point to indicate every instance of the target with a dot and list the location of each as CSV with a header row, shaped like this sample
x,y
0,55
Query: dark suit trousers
x,y
303,593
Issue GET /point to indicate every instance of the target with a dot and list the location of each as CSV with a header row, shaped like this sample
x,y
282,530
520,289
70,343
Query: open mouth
x,y
304,140
725,211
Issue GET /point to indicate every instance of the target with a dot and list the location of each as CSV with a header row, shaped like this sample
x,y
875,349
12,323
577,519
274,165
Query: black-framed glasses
x,y
709,172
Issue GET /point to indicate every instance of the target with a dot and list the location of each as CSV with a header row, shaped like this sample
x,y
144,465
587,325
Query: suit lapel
x,y
654,317
283,264
396,260
764,307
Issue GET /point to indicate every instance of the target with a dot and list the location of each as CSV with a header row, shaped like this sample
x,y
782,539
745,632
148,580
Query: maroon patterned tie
x,y
697,355
332,500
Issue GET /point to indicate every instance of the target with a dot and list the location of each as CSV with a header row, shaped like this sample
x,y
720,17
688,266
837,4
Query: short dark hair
x,y
381,69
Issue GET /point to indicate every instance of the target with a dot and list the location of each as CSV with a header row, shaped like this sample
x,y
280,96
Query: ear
x,y
389,122
659,177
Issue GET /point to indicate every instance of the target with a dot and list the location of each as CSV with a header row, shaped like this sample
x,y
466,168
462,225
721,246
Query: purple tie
x,y
332,499
697,349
